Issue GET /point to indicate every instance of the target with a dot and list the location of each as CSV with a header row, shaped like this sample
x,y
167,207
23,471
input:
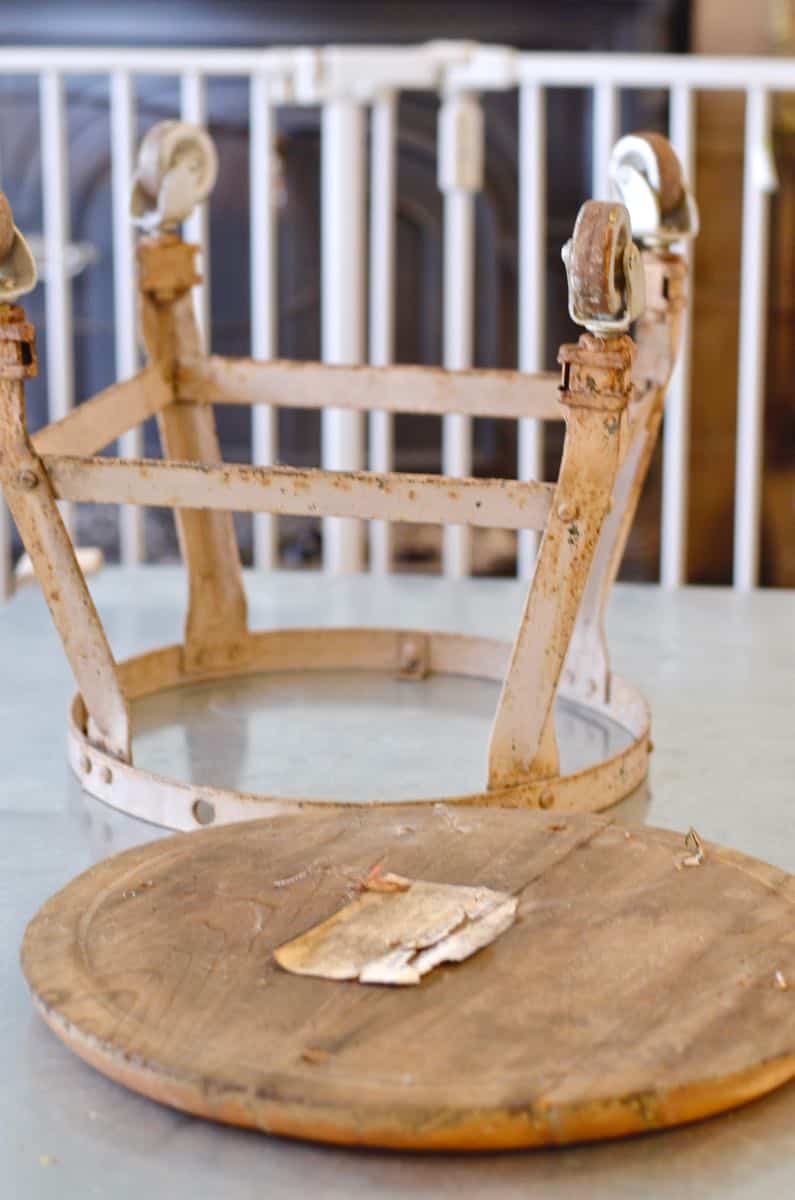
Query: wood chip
x,y
398,930
315,1054
376,881
697,854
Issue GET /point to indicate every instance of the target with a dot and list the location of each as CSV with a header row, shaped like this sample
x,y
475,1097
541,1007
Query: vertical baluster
x,y
604,134
383,179
532,287
676,426
122,130
58,292
264,297
342,302
193,105
757,182
460,178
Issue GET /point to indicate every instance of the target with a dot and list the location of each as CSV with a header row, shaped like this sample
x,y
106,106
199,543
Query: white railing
x,y
347,82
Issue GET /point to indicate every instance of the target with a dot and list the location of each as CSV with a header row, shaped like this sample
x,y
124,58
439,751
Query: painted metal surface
x,y
435,499
611,393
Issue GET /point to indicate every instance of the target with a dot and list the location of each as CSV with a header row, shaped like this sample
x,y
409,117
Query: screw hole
x,y
204,812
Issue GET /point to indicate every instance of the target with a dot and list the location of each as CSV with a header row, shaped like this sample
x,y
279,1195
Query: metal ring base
x,y
177,805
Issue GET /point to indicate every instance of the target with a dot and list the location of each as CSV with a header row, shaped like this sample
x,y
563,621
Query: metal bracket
x,y
18,358
414,656
167,267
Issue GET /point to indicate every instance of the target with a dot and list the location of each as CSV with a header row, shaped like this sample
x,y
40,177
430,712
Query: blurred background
x,y
636,26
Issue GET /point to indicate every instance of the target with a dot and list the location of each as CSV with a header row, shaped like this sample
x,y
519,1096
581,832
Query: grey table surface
x,y
719,670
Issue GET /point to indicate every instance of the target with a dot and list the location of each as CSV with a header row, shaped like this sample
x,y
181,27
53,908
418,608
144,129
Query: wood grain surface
x,y
632,993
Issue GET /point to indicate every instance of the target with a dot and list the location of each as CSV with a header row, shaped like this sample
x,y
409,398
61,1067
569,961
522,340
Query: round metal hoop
x,y
178,805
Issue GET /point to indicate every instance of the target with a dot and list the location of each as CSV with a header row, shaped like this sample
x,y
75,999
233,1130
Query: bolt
x,y
27,480
203,812
547,800
568,511
106,775
650,746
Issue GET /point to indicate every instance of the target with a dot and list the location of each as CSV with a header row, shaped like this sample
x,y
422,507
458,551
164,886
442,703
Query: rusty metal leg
x,y
32,503
216,625
596,388
587,673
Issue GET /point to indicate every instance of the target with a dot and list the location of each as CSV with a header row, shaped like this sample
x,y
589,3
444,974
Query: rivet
x,y
568,512
85,764
547,800
27,480
106,775
203,812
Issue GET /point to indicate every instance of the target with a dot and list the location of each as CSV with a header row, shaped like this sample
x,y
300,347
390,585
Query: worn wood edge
x,y
423,1127
285,383
471,1131
103,418
370,495
172,803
